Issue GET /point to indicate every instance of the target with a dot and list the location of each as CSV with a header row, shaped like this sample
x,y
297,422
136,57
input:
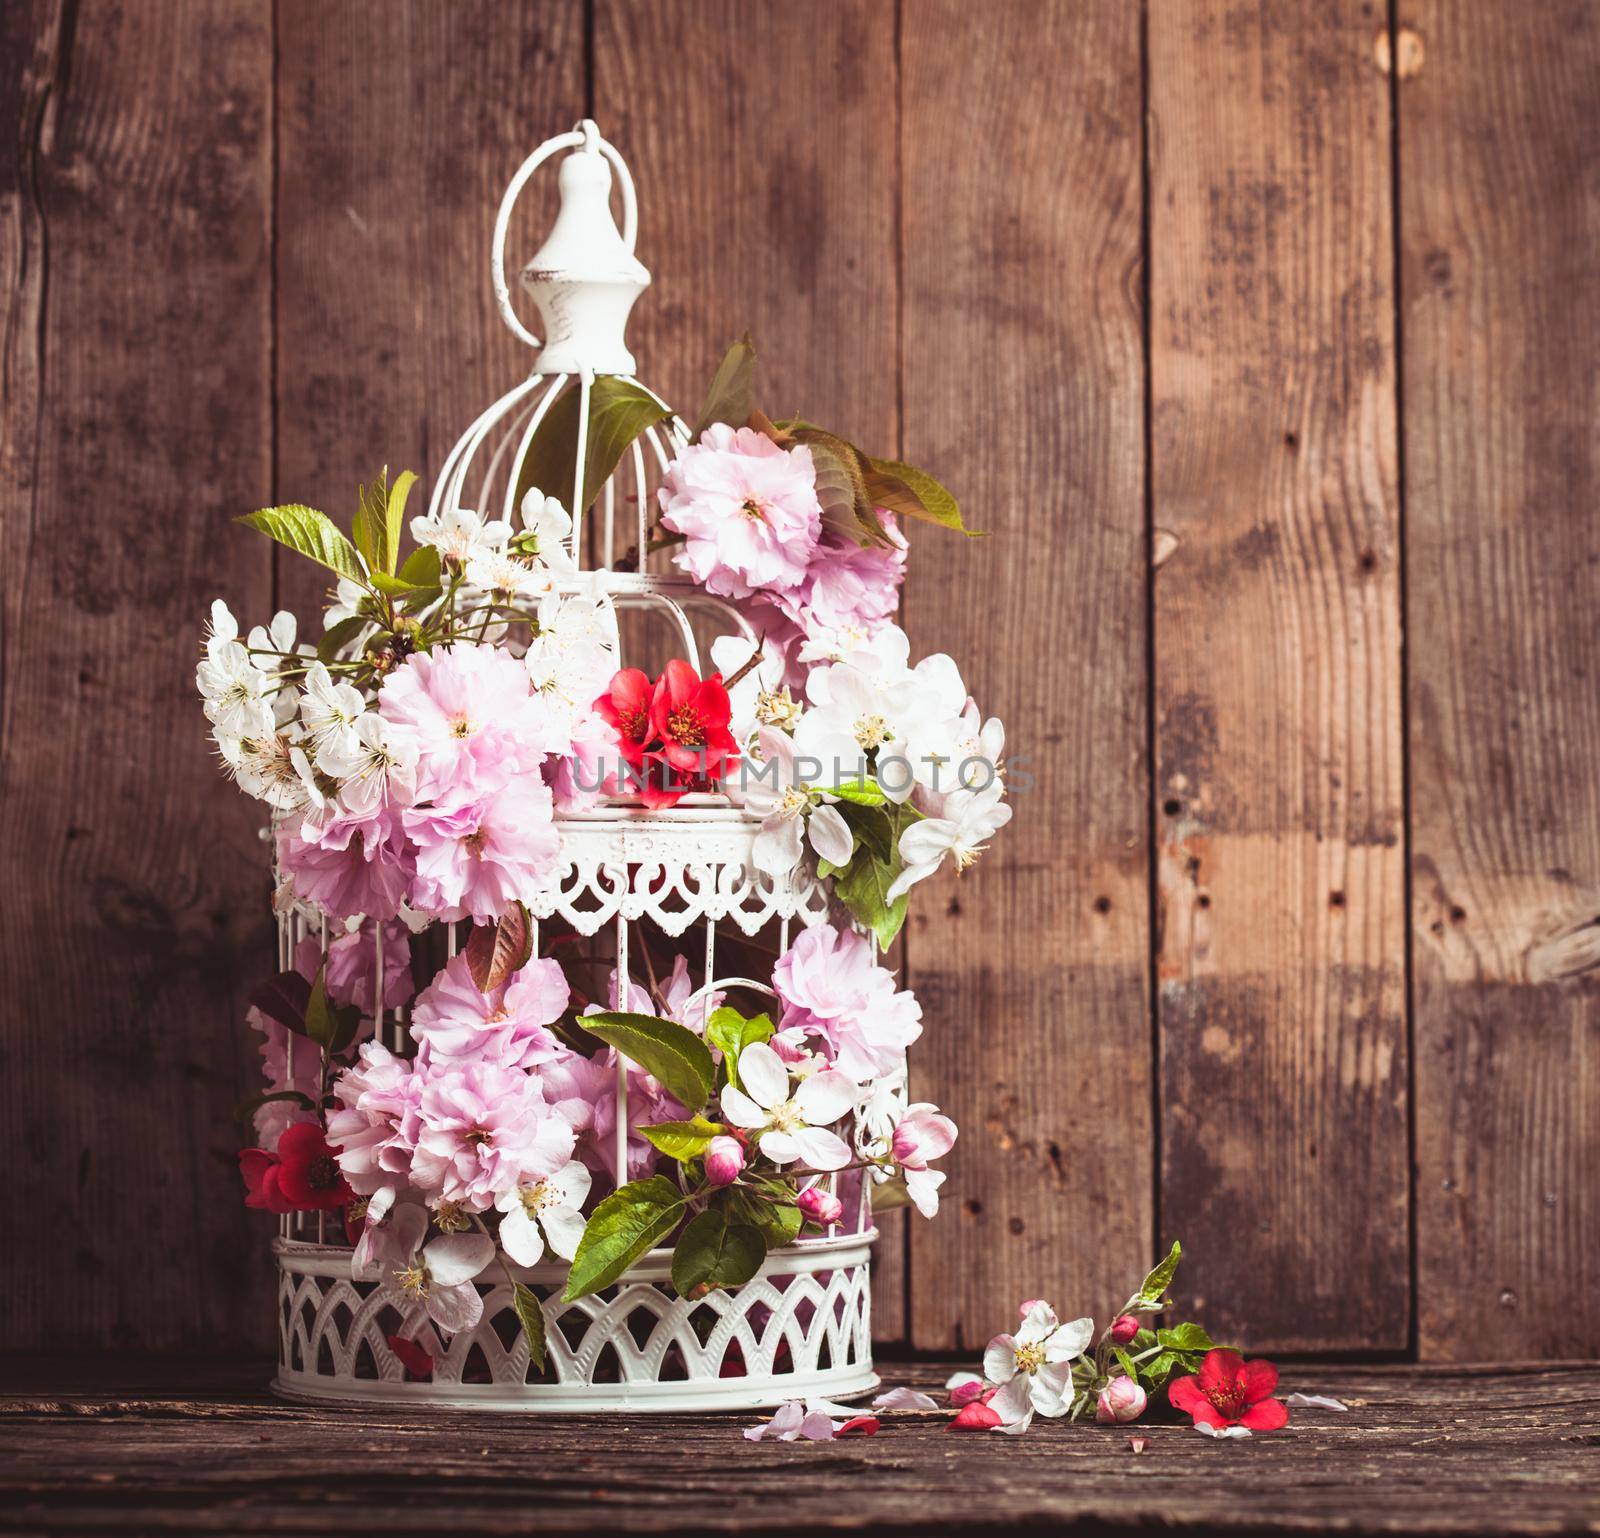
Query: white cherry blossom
x,y
548,520
458,533
376,760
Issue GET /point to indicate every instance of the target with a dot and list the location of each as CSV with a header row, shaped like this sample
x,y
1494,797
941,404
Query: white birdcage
x,y
802,1327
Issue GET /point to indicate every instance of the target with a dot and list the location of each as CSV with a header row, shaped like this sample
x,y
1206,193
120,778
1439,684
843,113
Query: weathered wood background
x,y
1261,335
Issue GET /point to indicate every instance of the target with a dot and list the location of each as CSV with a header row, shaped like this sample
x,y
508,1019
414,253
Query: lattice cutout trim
x,y
331,1328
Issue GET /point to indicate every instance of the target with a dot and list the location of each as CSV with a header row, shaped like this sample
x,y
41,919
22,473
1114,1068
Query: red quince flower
x,y
690,715
302,1176
1229,1391
625,707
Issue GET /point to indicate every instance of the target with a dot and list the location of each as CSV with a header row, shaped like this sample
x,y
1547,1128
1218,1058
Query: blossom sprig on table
x,y
1063,1370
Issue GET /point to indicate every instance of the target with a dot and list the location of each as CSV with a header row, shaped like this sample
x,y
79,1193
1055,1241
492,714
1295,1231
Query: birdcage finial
x,y
584,278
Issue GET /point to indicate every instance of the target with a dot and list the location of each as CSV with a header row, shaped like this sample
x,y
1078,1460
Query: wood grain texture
x,y
1023,379
134,204
1278,785
1500,216
765,158
193,1448
400,127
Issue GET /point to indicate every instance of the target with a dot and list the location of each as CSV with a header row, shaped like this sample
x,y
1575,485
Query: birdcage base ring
x,y
802,1328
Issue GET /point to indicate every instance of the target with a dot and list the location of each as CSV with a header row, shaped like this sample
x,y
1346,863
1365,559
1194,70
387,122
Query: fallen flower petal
x,y
1207,1430
417,1362
1138,1444
859,1425
817,1426
964,1388
909,1399
1314,1402
975,1417
784,1425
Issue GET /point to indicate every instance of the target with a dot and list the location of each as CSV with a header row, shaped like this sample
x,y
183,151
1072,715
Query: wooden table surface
x,y
167,1446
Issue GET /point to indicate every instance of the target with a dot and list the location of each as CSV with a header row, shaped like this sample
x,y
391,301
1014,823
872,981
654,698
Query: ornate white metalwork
x,y
801,1328
675,867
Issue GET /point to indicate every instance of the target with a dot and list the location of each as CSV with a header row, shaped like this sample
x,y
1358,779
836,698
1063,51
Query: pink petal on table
x,y
1138,1444
1221,1432
905,1399
1314,1402
964,1388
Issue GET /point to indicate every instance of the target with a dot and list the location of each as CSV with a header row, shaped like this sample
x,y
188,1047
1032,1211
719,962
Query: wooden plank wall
x,y
1260,337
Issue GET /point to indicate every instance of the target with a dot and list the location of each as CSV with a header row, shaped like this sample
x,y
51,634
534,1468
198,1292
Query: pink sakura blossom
x,y
350,864
485,1130
678,1002
831,988
583,1090
477,856
377,1122
847,586
455,1024
352,966
473,715
748,509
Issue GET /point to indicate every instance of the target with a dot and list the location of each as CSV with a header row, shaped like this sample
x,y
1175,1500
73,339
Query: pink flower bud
x,y
1123,1328
1120,1400
922,1134
820,1207
724,1160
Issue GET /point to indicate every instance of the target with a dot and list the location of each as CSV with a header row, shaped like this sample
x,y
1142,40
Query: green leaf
x,y
730,398
864,890
1185,1337
336,637
620,1230
331,1027
905,489
1126,1362
863,792
669,1051
496,951
422,567
395,518
248,1107
683,1140
778,1221
531,1315
886,1195
367,527
730,1033
309,533
712,1253
619,410
1156,1283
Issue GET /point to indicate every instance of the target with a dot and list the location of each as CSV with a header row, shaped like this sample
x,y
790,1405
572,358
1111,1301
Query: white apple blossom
x,y
440,1278
969,818
760,697
777,793
554,1205
1032,1369
790,1128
